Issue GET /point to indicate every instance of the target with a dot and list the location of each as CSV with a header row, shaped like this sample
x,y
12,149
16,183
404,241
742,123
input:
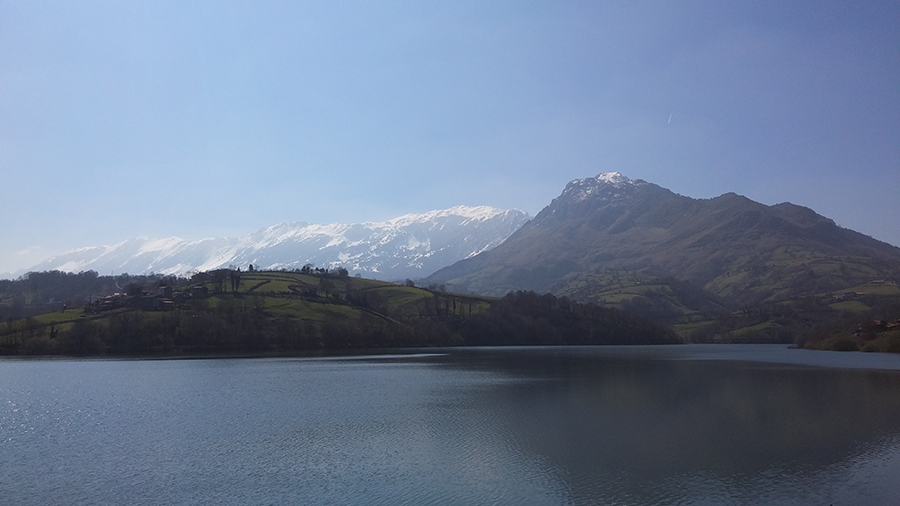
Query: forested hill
x,y
229,311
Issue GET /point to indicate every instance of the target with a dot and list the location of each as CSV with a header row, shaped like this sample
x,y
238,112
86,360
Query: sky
x,y
198,119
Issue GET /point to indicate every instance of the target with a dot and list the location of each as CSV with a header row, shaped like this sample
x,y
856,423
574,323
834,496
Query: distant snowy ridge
x,y
408,246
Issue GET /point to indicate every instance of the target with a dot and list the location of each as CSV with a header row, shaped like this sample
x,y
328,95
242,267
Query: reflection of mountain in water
x,y
620,429
526,426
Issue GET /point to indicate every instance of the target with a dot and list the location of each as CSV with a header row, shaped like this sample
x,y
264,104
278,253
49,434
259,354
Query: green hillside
x,y
663,299
827,320
229,311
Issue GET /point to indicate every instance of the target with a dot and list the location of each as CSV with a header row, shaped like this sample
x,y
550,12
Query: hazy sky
x,y
198,119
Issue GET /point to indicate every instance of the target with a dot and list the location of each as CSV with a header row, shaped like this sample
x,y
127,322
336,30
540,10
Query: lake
x,y
692,424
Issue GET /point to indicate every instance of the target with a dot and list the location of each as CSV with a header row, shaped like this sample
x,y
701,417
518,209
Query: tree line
x,y
240,323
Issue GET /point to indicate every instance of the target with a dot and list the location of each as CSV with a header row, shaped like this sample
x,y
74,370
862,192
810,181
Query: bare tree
x,y
326,285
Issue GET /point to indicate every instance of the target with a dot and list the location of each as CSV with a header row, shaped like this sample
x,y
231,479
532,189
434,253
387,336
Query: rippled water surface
x,y
637,425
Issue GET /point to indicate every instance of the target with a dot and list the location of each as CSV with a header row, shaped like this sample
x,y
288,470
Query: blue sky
x,y
198,119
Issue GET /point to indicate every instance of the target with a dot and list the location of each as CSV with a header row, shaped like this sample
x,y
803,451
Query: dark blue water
x,y
649,425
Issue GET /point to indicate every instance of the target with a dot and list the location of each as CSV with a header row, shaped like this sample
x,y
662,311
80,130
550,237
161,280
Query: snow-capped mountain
x,y
582,189
409,246
737,250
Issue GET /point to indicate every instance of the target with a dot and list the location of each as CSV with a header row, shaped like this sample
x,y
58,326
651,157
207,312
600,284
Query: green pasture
x,y
752,328
882,289
685,329
59,316
853,306
307,310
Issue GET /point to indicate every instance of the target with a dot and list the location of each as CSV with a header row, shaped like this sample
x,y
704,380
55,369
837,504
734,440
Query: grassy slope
x,y
287,295
280,295
825,314
278,311
788,272
777,291
663,300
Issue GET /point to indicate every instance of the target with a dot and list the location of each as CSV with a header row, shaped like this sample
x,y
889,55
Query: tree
x,y
326,285
235,278
133,289
218,278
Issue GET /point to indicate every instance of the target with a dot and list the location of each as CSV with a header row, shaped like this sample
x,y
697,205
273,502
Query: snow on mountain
x,y
617,179
408,246
581,189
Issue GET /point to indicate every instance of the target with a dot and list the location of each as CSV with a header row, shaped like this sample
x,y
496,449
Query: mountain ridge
x,y
731,246
410,245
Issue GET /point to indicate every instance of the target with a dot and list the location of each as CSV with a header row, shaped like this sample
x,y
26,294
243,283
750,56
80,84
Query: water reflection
x,y
635,426
643,430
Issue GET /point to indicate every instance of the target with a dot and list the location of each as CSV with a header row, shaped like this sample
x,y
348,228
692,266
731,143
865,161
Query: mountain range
x,y
722,269
597,241
409,246
608,233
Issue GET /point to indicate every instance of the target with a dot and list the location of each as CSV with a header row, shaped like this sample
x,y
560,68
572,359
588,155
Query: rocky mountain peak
x,y
604,185
730,246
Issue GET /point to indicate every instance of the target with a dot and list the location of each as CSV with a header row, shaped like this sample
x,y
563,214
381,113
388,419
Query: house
x,y
151,303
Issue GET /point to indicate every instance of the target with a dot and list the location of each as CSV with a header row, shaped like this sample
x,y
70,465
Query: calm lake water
x,y
545,426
